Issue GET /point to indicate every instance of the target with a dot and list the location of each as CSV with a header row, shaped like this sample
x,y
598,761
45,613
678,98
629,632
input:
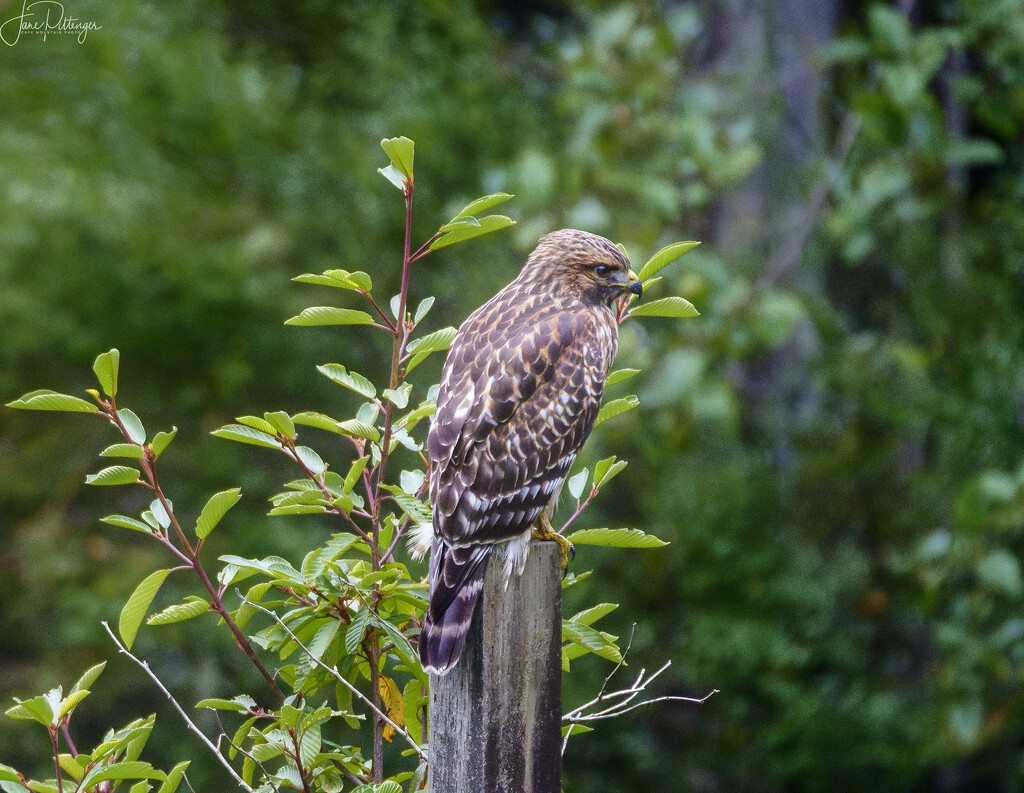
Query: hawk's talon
x,y
544,531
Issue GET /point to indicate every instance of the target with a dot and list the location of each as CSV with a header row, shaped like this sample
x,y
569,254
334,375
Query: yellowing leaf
x,y
394,705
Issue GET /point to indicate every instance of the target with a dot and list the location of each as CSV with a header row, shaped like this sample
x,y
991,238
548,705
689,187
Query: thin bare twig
x,y
191,725
622,700
336,675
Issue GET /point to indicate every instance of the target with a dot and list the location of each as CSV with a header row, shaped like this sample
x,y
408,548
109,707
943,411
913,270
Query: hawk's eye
x,y
602,270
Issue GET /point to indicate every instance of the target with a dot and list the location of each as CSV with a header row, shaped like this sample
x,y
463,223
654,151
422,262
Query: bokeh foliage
x,y
834,448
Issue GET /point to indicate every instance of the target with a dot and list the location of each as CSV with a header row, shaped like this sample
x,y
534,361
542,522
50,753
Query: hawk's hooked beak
x,y
634,285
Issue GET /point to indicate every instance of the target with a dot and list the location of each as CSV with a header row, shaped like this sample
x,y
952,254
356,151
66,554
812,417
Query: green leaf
x,y
340,279
607,469
135,609
160,514
105,366
123,450
355,630
619,375
243,434
311,460
577,482
69,703
215,509
393,175
351,380
466,232
318,420
616,407
134,769
114,475
309,746
401,152
256,423
44,399
330,315
281,422
664,257
432,342
88,677
616,538
576,729
179,612
174,777
399,396
8,774
597,642
483,204
222,704
41,709
354,472
126,522
423,308
594,613
162,440
358,429
132,425
678,307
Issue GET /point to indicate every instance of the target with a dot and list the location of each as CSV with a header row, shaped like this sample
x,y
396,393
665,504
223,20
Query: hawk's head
x,y
584,264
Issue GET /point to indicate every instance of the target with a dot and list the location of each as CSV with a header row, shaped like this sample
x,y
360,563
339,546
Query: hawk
x,y
519,394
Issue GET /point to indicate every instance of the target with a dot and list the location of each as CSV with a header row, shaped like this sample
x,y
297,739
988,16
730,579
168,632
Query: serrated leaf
x,y
281,422
309,746
598,642
401,151
44,399
355,630
105,366
114,475
215,509
179,612
577,482
330,315
399,396
126,522
162,440
467,232
619,375
664,257
135,609
678,307
129,450
242,434
615,538
432,342
351,380
483,204
422,309
615,408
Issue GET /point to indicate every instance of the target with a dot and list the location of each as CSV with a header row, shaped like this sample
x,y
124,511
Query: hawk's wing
x,y
519,395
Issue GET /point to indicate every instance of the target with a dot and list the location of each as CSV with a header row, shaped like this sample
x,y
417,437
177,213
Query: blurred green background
x,y
834,448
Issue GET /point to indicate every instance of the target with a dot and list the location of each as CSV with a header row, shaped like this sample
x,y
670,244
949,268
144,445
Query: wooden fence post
x,y
495,718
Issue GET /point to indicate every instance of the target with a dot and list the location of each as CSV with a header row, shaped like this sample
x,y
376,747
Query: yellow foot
x,y
543,530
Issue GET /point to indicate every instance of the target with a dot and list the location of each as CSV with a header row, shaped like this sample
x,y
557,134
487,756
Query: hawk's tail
x,y
456,578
